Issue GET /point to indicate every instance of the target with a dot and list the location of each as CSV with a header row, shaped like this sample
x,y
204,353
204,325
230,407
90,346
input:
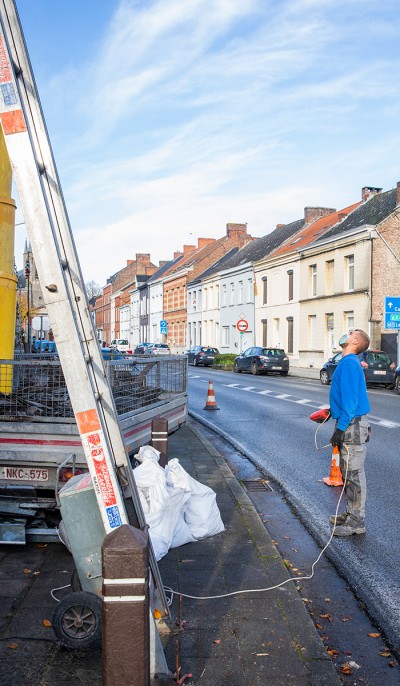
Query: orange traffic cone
x,y
211,403
335,475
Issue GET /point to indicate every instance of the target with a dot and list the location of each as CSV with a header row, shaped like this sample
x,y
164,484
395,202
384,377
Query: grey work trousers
x,y
352,459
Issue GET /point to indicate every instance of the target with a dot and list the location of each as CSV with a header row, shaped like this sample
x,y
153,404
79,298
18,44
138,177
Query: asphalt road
x,y
267,418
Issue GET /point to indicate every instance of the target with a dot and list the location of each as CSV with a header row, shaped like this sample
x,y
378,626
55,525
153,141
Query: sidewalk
x,y
252,639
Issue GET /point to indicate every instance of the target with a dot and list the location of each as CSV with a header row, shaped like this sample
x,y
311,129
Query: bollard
x,y
159,438
126,631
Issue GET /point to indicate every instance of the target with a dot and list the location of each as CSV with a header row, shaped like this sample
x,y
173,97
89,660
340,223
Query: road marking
x,y
249,388
265,392
283,396
231,385
305,401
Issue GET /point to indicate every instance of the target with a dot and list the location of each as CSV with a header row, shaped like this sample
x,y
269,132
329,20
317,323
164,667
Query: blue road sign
x,y
392,313
163,326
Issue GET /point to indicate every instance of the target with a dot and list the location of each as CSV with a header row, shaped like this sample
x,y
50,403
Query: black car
x,y
259,360
377,366
142,348
202,354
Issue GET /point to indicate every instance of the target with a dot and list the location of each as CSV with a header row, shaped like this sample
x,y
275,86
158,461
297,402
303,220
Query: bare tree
x,y
92,289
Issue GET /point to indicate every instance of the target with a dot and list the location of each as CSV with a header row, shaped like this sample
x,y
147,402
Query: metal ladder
x,y
63,287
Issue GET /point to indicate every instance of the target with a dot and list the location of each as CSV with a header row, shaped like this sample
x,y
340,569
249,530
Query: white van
x,y
122,345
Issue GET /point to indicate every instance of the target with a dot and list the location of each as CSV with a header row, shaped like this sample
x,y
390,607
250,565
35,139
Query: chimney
x,y
202,242
177,254
311,214
236,230
280,226
368,191
128,262
143,258
188,249
398,194
162,263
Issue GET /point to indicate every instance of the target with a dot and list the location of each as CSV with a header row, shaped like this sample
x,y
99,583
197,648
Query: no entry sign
x,y
242,325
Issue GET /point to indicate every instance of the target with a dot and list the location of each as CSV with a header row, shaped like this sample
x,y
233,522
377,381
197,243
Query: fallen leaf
x,y
46,622
217,641
306,600
327,616
332,652
41,545
347,619
157,614
319,626
346,668
393,663
12,646
374,635
327,600
36,573
385,653
27,571
286,563
261,654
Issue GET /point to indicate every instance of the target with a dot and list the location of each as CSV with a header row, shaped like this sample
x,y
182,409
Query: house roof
x,y
318,228
215,267
164,269
370,212
259,247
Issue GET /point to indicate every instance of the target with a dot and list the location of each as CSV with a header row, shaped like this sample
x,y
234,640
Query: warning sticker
x,y
5,71
114,517
9,94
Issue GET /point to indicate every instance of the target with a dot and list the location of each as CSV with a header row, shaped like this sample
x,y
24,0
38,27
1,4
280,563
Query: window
x,y
312,331
276,331
250,290
289,334
290,284
264,332
329,265
232,293
240,293
348,321
350,272
313,279
265,290
224,295
216,296
205,298
330,327
225,335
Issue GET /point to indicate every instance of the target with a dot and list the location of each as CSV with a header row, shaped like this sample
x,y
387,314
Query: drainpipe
x,y
8,279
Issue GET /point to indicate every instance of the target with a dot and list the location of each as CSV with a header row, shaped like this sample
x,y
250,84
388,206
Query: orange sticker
x,y
88,421
13,122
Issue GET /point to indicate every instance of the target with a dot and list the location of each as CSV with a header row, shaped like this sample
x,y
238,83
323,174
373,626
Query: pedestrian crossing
x,y
287,397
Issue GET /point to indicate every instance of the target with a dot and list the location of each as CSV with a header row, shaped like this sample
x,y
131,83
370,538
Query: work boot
x,y
344,530
338,519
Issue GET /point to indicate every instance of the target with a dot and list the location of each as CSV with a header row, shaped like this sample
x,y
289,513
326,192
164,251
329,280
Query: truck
x,y
40,445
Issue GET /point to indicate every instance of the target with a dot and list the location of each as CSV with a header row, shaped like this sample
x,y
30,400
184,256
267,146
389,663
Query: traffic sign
x,y
163,326
242,325
392,313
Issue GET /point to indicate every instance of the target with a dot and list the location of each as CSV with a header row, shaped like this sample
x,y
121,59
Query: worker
x,y
349,407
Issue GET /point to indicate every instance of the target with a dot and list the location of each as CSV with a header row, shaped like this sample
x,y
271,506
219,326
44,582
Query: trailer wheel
x,y
77,620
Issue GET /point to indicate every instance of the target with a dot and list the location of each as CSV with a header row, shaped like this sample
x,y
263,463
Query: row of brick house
x,y
298,287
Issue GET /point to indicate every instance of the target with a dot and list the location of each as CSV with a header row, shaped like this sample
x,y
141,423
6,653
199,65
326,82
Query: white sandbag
x,y
162,506
201,512
147,452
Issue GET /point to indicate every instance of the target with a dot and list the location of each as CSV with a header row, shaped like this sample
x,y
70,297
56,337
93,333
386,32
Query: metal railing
x,y
34,385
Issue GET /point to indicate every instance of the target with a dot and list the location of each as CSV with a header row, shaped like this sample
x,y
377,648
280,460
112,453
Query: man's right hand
x,y
337,438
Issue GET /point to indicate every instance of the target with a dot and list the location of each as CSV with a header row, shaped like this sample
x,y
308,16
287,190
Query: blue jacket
x,y
348,396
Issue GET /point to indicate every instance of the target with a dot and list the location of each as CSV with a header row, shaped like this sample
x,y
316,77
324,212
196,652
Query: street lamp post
x,y
27,275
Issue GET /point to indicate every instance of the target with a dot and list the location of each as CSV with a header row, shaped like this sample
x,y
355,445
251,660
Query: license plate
x,y
276,367
379,372
23,474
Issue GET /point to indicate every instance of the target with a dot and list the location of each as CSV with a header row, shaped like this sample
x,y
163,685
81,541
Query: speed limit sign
x,y
242,325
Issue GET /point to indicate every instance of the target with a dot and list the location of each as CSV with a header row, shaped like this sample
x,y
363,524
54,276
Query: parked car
x,y
158,349
202,354
112,354
259,360
122,345
377,365
142,348
397,380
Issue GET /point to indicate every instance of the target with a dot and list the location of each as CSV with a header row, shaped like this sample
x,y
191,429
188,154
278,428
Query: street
x,y
267,418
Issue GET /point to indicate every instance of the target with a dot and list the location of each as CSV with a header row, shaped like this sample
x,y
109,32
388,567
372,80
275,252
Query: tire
x,y
390,386
254,369
398,385
236,368
77,620
283,373
324,377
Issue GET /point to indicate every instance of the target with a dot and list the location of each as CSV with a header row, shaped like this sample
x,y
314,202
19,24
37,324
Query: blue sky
x,y
170,118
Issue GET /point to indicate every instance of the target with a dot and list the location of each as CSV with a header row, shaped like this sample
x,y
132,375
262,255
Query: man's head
x,y
356,342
